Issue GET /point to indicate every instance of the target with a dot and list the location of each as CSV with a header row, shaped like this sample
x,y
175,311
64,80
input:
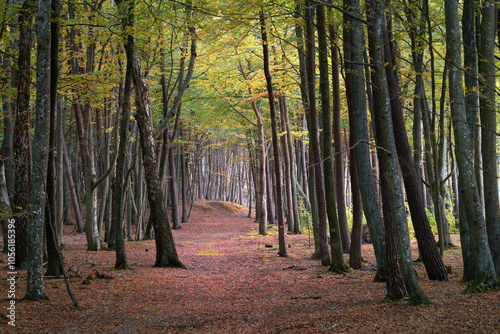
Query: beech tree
x,y
489,126
35,288
360,130
22,140
274,128
484,270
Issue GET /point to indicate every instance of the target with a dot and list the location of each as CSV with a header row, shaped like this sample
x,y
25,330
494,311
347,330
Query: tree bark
x,y
360,129
287,166
426,242
274,128
54,265
394,283
117,238
338,265
488,129
314,138
35,288
484,273
22,142
396,194
337,139
166,254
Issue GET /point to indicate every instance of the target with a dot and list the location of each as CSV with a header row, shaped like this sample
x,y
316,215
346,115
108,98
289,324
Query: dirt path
x,y
234,284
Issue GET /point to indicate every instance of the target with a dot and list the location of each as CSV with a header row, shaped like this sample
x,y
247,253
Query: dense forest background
x,y
118,115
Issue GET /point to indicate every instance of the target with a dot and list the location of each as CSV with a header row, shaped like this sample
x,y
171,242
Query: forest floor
x,y
236,283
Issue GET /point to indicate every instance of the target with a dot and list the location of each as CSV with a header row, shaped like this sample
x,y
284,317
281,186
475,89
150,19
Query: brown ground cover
x,y
235,284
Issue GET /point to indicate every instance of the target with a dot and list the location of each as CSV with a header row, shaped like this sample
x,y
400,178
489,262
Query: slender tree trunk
x,y
35,288
360,129
117,238
22,142
174,194
288,175
7,150
489,128
337,139
337,255
166,254
484,272
274,128
4,208
426,242
314,138
394,283
183,162
355,258
416,294
54,265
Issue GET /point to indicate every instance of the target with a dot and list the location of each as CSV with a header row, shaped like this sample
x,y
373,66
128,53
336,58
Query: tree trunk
x,y
166,254
337,255
174,194
4,207
426,242
355,258
488,130
288,175
274,128
394,283
117,238
35,288
337,139
484,272
360,129
314,138
22,142
7,150
416,294
54,265
184,181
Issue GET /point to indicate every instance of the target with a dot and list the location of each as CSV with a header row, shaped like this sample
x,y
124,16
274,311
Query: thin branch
x,y
232,106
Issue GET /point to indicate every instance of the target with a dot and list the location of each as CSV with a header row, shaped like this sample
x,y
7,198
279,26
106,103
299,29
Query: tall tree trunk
x,y
337,139
7,150
338,265
394,283
426,242
174,194
274,128
314,138
489,128
184,181
484,273
35,288
416,294
117,238
54,265
287,166
22,142
166,254
355,258
4,208
360,129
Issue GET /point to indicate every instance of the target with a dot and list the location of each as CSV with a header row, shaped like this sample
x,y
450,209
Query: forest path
x,y
217,239
234,284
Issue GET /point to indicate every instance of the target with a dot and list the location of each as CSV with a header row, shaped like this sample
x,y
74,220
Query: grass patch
x,y
208,252
204,206
231,207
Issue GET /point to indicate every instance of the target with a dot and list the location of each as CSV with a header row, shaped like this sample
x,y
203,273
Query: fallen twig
x,y
329,328
308,297
294,267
